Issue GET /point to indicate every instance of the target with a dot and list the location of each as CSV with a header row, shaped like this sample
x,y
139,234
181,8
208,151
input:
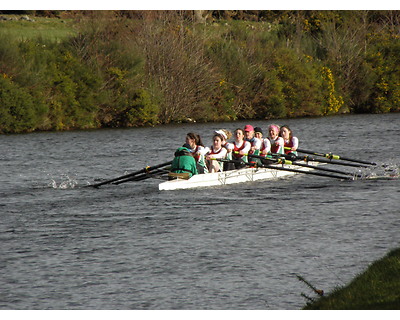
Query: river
x,y
131,246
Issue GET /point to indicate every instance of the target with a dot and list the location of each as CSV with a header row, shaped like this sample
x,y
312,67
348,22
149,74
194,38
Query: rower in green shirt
x,y
184,162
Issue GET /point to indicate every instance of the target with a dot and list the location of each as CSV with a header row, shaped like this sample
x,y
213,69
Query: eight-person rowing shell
x,y
249,157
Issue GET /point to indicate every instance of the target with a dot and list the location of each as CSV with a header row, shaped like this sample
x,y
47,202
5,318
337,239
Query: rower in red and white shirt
x,y
265,143
291,143
277,142
241,148
217,151
226,135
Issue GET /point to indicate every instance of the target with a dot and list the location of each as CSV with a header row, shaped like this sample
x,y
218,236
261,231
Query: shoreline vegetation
x,y
377,288
65,70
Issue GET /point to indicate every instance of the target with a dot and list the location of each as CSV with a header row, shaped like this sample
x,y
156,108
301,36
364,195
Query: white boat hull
x,y
231,177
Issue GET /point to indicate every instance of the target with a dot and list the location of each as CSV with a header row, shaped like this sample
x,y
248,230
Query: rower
x,y
226,135
265,148
291,143
196,146
241,148
265,143
217,151
249,134
277,142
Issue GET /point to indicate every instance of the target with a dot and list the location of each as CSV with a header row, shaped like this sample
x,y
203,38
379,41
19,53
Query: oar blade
x,y
141,171
143,176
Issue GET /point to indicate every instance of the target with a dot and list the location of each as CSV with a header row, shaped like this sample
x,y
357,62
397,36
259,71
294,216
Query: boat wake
x,y
386,171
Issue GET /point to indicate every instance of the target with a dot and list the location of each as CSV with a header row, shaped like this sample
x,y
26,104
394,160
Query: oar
x,y
358,175
333,156
229,161
147,169
305,165
272,160
293,157
249,164
284,161
142,176
278,161
309,172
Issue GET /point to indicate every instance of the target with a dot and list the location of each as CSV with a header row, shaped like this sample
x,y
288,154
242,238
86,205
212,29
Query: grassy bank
x,y
377,288
24,27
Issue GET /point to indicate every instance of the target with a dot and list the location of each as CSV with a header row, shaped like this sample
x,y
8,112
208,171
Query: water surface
x,y
65,246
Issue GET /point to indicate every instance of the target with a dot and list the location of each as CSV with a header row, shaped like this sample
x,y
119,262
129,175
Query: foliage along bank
x,y
123,69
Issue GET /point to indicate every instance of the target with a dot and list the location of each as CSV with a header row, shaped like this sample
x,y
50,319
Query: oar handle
x,y
269,157
329,156
227,160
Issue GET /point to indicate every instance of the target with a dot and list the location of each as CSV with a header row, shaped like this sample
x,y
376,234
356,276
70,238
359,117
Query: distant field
x,y
52,29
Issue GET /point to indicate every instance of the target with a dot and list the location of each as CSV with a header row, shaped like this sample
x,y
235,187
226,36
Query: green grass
x,y
52,29
377,288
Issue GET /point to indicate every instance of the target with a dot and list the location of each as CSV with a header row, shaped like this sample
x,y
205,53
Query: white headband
x,y
221,133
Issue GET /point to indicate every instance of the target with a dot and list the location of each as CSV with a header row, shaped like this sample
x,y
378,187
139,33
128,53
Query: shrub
x,y
269,100
332,101
142,110
9,56
19,111
74,91
384,61
177,70
301,84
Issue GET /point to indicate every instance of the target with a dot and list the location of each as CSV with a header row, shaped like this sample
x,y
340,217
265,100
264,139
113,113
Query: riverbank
x,y
377,288
115,69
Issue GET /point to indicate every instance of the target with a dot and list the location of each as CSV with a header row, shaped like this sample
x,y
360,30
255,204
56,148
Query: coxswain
x,y
184,162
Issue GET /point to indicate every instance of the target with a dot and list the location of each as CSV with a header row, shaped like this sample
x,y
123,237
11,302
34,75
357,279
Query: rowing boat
x,y
233,176
271,168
